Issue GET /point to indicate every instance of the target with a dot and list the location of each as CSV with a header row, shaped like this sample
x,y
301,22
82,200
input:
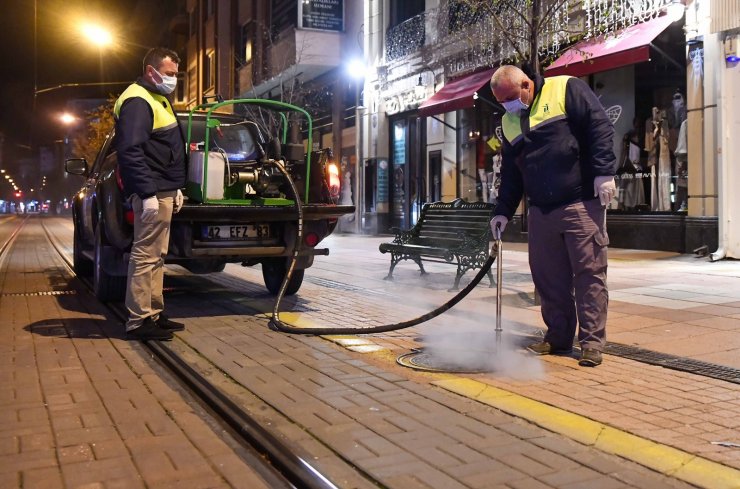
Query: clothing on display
x,y
659,160
682,173
631,189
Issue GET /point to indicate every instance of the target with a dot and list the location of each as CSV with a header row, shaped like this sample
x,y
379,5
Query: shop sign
x,y
382,183
404,101
323,15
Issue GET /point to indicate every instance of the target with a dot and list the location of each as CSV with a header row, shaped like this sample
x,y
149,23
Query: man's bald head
x,y
508,82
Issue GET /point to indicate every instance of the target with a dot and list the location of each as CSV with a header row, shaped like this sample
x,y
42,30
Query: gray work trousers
x,y
567,257
146,262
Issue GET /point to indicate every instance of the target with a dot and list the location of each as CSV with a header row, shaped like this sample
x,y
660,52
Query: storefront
x,y
639,75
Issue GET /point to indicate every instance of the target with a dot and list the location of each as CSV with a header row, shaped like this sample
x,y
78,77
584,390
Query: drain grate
x,y
690,365
332,284
36,294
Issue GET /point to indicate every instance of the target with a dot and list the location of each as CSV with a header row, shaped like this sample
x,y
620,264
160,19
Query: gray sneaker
x,y
590,358
545,348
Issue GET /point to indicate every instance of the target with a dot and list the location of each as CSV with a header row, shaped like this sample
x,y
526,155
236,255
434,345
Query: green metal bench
x,y
454,232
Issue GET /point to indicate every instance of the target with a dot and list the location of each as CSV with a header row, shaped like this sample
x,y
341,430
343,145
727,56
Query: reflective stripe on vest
x,y
164,118
549,106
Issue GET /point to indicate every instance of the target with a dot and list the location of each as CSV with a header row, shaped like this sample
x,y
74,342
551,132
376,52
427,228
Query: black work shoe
x,y
166,323
149,331
590,358
545,348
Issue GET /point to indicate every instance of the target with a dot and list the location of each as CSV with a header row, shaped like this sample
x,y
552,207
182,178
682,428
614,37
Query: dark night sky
x,y
64,57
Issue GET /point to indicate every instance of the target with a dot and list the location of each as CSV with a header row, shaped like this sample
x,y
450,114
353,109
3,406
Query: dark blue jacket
x,y
555,162
149,161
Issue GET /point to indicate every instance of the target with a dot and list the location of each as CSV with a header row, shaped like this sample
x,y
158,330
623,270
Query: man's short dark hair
x,y
155,56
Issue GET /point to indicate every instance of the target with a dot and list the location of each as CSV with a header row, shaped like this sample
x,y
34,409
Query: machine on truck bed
x,y
240,206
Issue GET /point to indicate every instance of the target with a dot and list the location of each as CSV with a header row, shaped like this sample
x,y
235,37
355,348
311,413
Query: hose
x,y
278,325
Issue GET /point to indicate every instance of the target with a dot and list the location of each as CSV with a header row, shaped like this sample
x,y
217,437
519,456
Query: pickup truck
x,y
253,221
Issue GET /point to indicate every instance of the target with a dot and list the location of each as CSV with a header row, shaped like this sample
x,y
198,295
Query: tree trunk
x,y
534,47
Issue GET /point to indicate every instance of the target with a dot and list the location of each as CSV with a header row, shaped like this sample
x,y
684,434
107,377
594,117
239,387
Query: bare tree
x,y
99,122
534,31
526,31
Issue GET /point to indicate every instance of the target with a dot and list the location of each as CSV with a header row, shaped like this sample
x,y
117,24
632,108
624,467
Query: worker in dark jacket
x,y
151,162
557,149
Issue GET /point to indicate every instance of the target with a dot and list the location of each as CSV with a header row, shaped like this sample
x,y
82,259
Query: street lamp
x,y
97,35
67,118
357,70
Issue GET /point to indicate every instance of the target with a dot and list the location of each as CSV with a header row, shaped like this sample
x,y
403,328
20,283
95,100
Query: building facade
x,y
422,125
298,52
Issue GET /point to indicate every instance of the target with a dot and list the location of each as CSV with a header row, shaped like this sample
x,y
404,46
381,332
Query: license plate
x,y
236,232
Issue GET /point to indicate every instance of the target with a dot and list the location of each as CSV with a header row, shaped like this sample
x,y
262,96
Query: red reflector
x,y
311,239
130,217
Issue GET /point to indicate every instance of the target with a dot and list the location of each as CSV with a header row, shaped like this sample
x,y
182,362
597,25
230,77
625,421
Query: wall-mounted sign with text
x,y
324,15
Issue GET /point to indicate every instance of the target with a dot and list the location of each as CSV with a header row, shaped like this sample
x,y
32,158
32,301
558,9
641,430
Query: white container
x,y
216,175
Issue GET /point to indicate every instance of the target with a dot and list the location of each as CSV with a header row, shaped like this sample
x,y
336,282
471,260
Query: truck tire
x,y
82,265
107,288
273,272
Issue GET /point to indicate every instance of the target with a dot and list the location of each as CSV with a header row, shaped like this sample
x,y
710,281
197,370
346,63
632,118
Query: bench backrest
x,y
442,223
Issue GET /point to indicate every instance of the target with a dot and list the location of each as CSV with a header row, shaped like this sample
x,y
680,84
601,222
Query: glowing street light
x,y
357,68
97,35
67,118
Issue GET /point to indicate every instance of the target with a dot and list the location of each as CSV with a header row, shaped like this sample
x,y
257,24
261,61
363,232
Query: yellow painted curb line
x,y
661,458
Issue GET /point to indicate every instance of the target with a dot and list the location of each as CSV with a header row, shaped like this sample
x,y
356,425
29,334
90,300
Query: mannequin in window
x,y
631,188
659,160
676,115
682,173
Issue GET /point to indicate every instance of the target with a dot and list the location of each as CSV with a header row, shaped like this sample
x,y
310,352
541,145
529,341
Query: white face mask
x,y
515,106
168,85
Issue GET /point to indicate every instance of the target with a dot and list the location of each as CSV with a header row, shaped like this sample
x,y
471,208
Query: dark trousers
x,y
567,256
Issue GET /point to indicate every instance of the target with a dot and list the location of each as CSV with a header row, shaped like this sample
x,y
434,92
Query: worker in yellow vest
x,y
151,162
557,149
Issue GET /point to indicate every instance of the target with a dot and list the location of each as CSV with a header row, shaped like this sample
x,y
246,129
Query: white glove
x,y
150,209
498,224
604,189
178,201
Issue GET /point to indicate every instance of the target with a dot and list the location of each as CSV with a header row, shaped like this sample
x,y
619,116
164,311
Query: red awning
x,y
455,95
626,47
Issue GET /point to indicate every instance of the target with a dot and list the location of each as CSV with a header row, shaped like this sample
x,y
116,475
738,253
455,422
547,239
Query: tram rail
x,y
281,466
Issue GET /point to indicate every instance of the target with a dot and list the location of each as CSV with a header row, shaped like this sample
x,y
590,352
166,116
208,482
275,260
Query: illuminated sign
x,y
323,15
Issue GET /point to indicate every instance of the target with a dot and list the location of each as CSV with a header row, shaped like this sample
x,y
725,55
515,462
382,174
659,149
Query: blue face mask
x,y
515,106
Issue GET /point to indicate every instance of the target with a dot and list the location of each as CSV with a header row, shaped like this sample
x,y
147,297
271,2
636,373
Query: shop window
x,y
209,8
247,42
209,70
193,22
192,84
403,10
180,90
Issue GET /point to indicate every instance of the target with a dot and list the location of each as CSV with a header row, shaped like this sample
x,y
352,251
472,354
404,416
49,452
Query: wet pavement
x,y
344,401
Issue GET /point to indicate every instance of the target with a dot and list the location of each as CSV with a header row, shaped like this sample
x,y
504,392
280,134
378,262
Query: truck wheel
x,y
107,288
82,265
273,272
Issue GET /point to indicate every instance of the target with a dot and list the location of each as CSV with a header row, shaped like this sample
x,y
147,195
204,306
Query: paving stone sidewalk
x,y
79,406
391,421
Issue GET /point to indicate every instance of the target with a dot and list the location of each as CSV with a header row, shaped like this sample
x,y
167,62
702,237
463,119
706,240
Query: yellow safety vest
x,y
164,118
548,106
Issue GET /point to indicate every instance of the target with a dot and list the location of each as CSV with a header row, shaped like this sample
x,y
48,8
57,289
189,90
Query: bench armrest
x,y
402,236
470,242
